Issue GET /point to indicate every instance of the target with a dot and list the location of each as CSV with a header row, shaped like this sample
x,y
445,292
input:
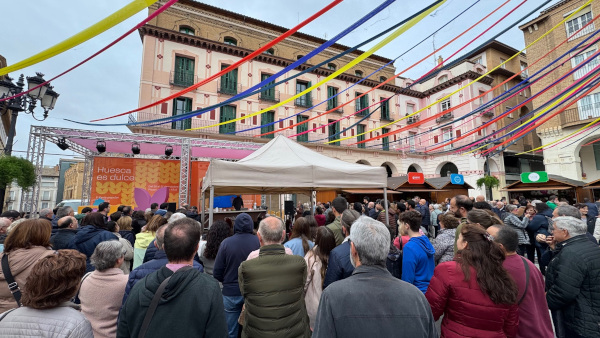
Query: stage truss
x,y
39,135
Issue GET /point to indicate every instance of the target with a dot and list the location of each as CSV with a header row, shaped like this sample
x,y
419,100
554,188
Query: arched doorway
x,y
414,168
365,162
447,168
390,168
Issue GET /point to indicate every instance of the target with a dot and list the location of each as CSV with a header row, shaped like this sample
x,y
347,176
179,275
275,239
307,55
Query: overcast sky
x,y
109,84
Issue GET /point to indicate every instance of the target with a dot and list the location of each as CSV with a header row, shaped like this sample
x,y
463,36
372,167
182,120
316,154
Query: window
x,y
523,69
46,195
385,141
300,56
270,51
48,184
11,196
411,140
502,62
505,87
359,130
334,129
227,113
358,73
9,206
574,25
410,108
228,83
184,71
44,205
385,109
267,94
267,118
481,98
382,78
510,116
228,40
331,66
304,100
445,105
589,106
302,128
182,105
186,30
362,103
447,136
479,60
332,99
442,79
587,67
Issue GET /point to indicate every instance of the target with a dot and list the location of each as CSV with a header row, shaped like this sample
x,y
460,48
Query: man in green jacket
x,y
339,204
191,305
273,288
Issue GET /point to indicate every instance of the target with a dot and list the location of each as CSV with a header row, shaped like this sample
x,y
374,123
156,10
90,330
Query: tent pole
x,y
211,206
203,199
312,202
387,214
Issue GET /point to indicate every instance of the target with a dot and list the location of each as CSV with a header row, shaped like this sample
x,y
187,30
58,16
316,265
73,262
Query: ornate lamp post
x,y
24,103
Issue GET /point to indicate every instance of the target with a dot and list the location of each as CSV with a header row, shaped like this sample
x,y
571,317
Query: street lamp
x,y
24,103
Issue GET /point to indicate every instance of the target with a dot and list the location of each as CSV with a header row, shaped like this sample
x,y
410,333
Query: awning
x,y
555,182
592,185
530,189
370,191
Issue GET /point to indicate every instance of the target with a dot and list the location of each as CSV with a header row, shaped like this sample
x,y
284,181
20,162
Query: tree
x,y
490,182
16,169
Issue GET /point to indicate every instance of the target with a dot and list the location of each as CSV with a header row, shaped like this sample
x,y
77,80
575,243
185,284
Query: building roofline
x,y
270,26
497,45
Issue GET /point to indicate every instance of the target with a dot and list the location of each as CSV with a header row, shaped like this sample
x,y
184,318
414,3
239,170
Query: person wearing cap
x,y
232,252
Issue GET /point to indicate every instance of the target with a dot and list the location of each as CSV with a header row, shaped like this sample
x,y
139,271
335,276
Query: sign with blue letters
x,y
457,179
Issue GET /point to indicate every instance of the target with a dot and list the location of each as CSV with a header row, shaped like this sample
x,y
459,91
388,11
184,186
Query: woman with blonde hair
x,y
125,224
143,239
24,246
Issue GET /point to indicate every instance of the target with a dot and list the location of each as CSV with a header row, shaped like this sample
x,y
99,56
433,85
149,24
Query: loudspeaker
x,y
172,207
289,208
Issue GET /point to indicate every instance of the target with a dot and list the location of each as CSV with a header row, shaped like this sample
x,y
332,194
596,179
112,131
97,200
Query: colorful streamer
x,y
235,65
86,34
363,56
354,84
143,22
461,88
387,81
451,64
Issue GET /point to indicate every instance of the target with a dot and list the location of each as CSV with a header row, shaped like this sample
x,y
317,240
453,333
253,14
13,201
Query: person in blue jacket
x,y
93,232
418,253
232,252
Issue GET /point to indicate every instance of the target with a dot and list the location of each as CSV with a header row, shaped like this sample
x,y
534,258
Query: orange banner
x,y
135,182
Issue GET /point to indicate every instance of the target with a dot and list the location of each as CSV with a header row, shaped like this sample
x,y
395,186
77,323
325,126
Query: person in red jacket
x,y
474,292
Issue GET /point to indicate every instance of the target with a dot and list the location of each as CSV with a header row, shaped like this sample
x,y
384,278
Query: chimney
x,y
440,60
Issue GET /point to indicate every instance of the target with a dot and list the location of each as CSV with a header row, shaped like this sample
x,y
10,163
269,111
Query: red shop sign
x,y
416,178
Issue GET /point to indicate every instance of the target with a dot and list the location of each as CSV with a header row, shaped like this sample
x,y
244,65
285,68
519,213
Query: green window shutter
x,y
266,118
597,154
187,123
267,93
302,128
307,95
366,104
182,105
184,71
227,113
359,130
385,140
229,81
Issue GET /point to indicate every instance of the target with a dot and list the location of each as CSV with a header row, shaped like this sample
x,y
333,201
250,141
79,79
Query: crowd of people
x,y
465,267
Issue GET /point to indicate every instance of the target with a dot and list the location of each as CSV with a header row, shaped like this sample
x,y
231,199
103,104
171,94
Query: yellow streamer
x,y
86,34
474,81
365,55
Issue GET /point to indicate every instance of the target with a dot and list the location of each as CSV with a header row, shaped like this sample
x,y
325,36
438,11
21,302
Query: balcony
x,y
412,119
330,106
269,95
228,87
488,114
359,107
385,116
583,114
304,101
182,78
445,117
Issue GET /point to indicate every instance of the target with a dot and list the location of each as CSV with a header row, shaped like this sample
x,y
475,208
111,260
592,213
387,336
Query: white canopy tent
x,y
284,166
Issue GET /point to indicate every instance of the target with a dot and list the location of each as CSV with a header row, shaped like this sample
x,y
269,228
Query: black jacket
x,y
573,285
191,306
62,238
